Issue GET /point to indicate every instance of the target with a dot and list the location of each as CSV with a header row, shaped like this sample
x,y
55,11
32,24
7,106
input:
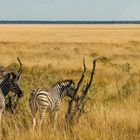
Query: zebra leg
x,y
41,115
53,116
34,122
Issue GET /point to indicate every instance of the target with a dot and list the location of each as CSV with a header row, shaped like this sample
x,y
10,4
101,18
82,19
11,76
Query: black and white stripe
x,y
42,100
8,83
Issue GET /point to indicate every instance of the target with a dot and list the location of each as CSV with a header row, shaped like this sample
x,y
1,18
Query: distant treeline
x,y
66,22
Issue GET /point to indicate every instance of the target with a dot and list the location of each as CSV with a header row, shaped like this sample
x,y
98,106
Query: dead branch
x,y
85,90
69,114
20,69
76,104
81,79
82,98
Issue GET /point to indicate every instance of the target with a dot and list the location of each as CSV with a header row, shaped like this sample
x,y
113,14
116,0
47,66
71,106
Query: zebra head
x,y
67,88
71,89
14,81
10,82
14,85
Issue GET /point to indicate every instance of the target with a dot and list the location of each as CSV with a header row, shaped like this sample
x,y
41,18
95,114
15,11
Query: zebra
x,y
48,100
9,82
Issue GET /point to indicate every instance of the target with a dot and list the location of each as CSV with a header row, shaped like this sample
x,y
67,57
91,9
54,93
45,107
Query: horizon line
x,y
69,21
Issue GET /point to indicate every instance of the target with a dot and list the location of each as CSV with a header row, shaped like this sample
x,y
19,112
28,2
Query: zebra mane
x,y
4,78
63,81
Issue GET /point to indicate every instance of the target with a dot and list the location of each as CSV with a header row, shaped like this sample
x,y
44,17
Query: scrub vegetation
x,y
55,52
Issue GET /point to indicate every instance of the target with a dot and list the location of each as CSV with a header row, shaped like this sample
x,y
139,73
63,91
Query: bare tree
x,y
77,103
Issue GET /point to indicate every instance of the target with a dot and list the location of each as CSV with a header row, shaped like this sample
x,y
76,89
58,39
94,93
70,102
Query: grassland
x,y
54,52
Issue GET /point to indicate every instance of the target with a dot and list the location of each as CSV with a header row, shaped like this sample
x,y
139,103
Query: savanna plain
x,y
52,53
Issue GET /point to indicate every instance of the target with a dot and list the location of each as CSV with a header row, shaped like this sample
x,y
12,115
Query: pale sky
x,y
69,9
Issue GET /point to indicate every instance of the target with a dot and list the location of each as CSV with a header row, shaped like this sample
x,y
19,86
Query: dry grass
x,y
54,52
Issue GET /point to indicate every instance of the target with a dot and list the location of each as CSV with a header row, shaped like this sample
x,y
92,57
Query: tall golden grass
x,y
54,52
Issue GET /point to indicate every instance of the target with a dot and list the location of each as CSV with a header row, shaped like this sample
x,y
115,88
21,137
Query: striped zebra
x,y
9,82
48,100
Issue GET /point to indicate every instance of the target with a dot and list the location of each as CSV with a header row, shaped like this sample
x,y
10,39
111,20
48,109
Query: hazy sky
x,y
69,9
